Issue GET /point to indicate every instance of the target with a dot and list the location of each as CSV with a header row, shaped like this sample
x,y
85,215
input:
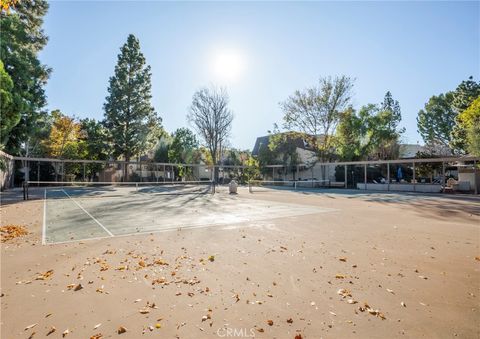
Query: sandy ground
x,y
373,268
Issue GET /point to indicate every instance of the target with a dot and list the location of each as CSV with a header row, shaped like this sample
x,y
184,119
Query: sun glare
x,y
228,65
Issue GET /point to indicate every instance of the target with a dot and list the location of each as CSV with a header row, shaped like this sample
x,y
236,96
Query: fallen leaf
x,y
157,325
270,322
344,292
44,276
342,259
211,258
403,304
64,334
290,320
298,336
10,232
52,329
78,287
97,336
340,276
121,330
30,326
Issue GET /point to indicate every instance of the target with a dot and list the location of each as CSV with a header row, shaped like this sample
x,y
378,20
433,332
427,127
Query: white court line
x,y
173,228
44,227
91,216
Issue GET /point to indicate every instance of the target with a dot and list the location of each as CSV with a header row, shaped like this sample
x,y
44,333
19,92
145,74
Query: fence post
x,y
346,178
475,176
388,176
443,176
414,178
365,176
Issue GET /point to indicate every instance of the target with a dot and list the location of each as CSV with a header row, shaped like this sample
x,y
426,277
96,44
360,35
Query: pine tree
x,y
129,115
22,40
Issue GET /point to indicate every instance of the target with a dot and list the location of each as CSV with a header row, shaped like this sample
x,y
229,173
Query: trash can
x,y
232,187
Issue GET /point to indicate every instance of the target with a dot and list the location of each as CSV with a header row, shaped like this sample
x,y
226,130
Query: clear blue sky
x,y
413,49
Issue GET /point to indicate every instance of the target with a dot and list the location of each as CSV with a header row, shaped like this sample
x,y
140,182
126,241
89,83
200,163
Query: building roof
x,y
265,140
409,151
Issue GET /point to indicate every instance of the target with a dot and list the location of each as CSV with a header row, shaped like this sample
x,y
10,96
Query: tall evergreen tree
x,y
393,107
10,116
22,40
129,114
465,94
435,122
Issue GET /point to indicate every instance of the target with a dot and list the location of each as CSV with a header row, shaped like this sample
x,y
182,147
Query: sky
x,y
261,52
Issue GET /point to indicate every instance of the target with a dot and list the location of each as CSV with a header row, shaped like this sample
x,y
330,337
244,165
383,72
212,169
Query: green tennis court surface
x,y
70,214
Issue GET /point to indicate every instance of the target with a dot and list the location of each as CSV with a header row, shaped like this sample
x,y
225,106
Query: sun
x,y
228,65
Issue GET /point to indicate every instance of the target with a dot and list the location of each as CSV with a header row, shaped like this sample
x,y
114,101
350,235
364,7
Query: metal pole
x,y
84,165
345,178
475,176
414,179
163,173
38,172
103,172
365,176
443,176
388,177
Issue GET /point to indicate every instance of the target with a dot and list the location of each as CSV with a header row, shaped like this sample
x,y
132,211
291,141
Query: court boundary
x,y
91,216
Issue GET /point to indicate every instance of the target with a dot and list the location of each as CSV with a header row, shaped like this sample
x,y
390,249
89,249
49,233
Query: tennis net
x,y
79,189
265,186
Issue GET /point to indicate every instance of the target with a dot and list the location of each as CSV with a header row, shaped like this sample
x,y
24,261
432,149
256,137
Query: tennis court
x,y
275,253
81,211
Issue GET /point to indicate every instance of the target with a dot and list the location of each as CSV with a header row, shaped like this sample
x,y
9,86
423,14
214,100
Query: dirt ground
x,y
372,268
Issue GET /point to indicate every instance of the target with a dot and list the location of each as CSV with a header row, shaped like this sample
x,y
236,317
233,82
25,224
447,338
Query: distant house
x,y
409,151
307,157
304,149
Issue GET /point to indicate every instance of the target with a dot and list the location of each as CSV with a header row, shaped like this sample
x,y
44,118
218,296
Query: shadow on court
x,y
75,218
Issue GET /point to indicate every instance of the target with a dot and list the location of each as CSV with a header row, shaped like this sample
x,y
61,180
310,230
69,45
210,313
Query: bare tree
x,y
316,111
212,119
